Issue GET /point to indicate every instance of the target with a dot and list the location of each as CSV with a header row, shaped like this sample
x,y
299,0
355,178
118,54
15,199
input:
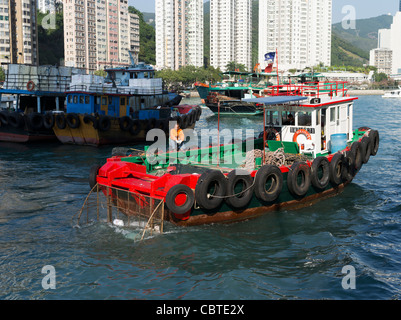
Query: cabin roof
x,y
275,100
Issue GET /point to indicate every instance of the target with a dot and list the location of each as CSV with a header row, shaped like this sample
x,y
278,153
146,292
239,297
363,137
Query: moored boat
x,y
396,93
293,162
119,109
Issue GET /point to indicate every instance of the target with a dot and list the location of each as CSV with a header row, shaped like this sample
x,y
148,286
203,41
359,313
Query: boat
x,y
231,97
396,93
26,94
118,109
287,165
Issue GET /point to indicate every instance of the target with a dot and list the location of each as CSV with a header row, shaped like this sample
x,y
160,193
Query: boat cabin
x,y
311,124
113,105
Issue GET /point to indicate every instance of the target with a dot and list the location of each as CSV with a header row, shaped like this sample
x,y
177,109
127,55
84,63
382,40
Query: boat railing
x,y
32,83
310,89
102,89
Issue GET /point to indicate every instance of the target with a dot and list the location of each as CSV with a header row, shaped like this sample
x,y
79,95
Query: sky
x,y
363,8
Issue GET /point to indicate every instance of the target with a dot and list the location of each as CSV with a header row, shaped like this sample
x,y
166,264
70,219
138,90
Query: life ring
x,y
48,120
125,123
374,135
210,189
303,132
320,173
180,199
337,168
299,169
366,143
94,171
30,86
104,123
89,118
61,122
35,121
239,198
16,120
272,176
73,120
135,128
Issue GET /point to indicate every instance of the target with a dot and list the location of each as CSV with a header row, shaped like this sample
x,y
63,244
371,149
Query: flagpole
x,y
278,79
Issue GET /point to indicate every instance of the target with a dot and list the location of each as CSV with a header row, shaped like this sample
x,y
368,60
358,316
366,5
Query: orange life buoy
x,y
304,132
30,85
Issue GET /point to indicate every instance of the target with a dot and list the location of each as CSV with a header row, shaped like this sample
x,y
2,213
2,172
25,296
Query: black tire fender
x,y
211,180
48,120
136,127
94,171
320,182
73,120
273,175
172,193
357,151
239,199
299,169
4,117
366,143
60,121
35,121
375,138
125,123
16,120
104,123
337,167
89,118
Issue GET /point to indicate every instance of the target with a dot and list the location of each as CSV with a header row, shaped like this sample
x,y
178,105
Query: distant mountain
x,y
365,35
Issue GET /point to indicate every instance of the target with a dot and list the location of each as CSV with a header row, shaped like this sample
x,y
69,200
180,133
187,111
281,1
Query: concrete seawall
x,y
365,92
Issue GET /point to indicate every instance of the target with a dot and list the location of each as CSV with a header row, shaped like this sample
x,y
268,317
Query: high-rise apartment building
x,y
179,33
230,33
300,31
134,32
48,5
97,33
387,56
18,32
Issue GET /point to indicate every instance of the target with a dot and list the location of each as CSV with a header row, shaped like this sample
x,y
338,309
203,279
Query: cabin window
x,y
332,114
131,75
87,99
110,99
81,99
122,101
272,118
288,118
69,99
104,101
318,117
75,99
304,118
97,100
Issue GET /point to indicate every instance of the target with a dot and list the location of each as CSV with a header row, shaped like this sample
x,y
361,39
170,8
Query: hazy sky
x,y
363,8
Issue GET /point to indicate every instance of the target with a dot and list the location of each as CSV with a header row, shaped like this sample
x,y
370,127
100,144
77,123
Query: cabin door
x,y
105,105
123,106
343,119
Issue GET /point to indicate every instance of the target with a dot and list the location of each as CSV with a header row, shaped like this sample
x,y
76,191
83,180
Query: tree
x,y
234,66
379,77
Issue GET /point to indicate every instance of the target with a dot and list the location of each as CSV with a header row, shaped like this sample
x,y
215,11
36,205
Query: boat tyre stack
x,y
239,179
320,173
180,199
211,189
268,183
299,179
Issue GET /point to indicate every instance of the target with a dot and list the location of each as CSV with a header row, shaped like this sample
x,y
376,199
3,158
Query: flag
x,y
270,56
